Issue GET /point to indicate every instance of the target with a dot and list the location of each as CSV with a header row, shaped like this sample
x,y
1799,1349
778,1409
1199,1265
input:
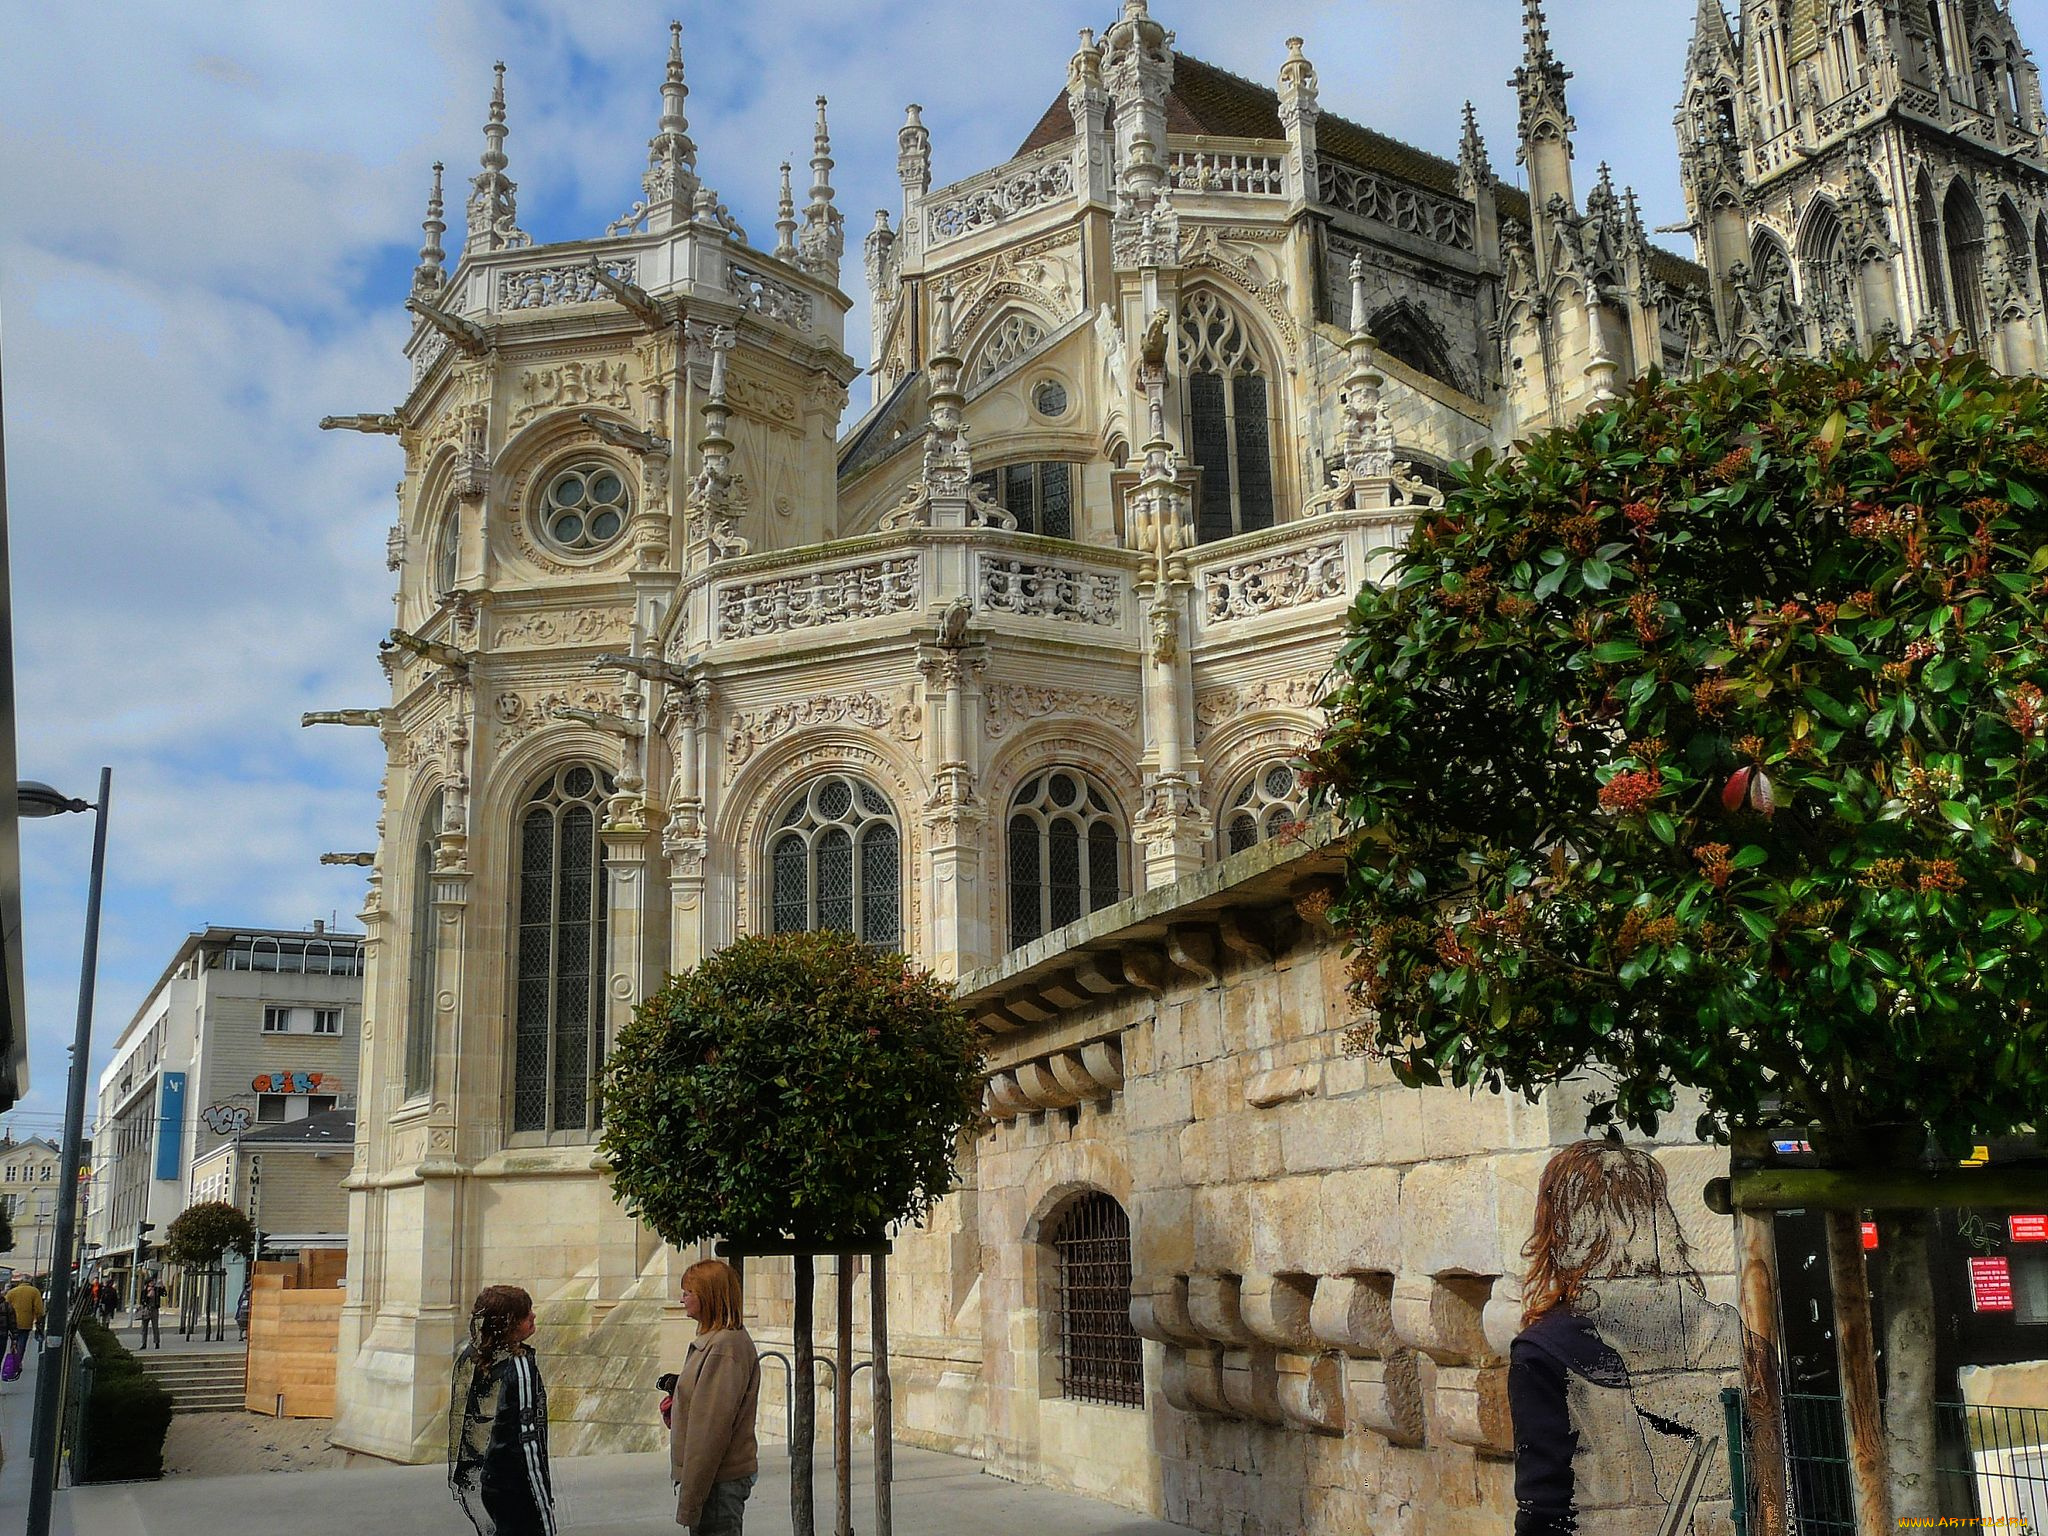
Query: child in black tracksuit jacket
x,y
498,1443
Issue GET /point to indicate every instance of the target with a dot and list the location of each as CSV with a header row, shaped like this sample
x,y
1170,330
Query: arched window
x,y
1066,853
1014,335
422,982
1827,289
1963,227
1229,428
1406,333
559,952
2017,250
835,861
2041,250
1101,1358
1040,495
1927,222
1268,803
447,551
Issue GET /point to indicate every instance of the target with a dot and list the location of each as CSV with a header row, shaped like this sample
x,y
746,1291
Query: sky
x,y
208,219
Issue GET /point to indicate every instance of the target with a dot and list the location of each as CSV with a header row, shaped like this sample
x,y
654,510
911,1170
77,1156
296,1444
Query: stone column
x,y
683,841
955,815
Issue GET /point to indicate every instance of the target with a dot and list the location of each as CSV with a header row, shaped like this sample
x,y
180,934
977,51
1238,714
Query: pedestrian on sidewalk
x,y
149,1306
712,1456
498,1421
25,1302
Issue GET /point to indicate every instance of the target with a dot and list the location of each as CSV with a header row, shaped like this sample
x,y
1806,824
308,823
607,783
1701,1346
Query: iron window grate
x,y
1101,1357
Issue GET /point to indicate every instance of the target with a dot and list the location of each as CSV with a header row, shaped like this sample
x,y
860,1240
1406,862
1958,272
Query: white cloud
x,y
209,215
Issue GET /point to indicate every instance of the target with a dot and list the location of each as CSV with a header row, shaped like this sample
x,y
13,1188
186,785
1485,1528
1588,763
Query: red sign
x,y
2028,1229
1990,1285
1870,1234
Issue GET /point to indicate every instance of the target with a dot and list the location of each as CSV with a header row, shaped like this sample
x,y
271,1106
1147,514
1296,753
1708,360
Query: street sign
x,y
1990,1285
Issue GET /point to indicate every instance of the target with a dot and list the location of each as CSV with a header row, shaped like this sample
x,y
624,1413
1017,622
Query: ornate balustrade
x,y
545,285
997,196
1226,168
1412,210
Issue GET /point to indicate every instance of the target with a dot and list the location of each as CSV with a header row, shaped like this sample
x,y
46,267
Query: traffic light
x,y
142,1246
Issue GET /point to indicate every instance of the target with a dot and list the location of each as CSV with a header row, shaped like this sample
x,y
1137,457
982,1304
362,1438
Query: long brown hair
x,y
1594,1200
717,1289
498,1310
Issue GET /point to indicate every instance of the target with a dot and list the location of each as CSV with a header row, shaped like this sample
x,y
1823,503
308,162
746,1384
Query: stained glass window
x,y
1268,803
1066,853
1039,495
1228,416
836,862
422,984
558,953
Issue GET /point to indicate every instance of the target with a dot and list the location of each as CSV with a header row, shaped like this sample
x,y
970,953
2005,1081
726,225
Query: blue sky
x,y
208,215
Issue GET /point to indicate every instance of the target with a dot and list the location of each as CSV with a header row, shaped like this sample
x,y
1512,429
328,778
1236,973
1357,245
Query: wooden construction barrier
x,y
293,1336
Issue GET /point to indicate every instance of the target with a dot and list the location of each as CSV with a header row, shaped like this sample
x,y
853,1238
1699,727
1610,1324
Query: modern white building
x,y
246,1026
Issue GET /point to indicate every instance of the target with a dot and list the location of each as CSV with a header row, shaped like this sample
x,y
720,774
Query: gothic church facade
x,y
1008,673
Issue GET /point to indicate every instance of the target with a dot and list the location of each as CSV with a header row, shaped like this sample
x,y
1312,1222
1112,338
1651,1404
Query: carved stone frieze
x,y
1290,578
567,282
1040,590
564,385
583,626
1410,209
1008,705
815,598
895,712
768,297
518,713
995,197
1218,706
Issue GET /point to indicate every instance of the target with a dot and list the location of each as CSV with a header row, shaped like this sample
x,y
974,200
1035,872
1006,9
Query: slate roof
x,y
330,1128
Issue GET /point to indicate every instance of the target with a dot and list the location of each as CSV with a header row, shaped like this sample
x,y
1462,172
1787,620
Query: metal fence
x,y
71,1411
1991,1463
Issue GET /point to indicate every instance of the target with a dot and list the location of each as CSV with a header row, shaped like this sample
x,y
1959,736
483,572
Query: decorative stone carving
x,y
519,714
761,400
1215,706
989,199
1008,705
817,598
568,282
893,712
565,385
584,626
1196,170
394,547
1291,578
1040,590
1412,210
768,297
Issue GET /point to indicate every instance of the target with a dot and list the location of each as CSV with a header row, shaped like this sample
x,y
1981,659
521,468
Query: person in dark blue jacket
x,y
498,1421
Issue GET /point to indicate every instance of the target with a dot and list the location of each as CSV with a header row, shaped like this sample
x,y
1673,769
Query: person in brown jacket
x,y
712,1455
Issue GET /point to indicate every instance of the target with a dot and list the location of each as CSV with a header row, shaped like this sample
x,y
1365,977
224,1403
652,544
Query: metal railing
x,y
77,1393
1991,1465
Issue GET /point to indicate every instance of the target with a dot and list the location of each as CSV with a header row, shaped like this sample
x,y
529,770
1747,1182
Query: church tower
x,y
1867,168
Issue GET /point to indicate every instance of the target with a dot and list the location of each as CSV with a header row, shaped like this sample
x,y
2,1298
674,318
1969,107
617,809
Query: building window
x,y
1101,1359
1227,412
422,983
277,1021
1015,334
447,551
584,507
835,861
1049,399
1066,853
559,922
319,1103
1040,496
326,1021
1963,227
270,1108
1270,803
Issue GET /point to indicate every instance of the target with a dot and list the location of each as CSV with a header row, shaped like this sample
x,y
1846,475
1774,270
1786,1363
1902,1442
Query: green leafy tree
x,y
1700,745
201,1234
795,1087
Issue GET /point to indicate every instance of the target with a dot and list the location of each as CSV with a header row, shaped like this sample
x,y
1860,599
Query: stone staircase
x,y
201,1381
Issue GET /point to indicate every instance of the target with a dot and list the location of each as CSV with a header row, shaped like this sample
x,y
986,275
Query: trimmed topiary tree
x,y
795,1087
1701,745
202,1234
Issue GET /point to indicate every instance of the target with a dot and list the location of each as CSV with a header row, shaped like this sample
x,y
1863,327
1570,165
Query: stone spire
x,y
670,184
1137,67
1298,114
714,510
428,276
1712,38
948,465
824,235
785,220
1368,439
1475,170
1545,124
494,196
914,153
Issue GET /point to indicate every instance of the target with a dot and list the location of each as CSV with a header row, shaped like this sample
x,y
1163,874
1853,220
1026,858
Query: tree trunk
x,y
842,1400
1856,1351
1909,1363
802,1378
1762,1373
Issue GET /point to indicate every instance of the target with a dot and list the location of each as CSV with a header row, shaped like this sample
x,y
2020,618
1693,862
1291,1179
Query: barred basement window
x,y
1066,854
421,981
559,920
1270,801
1228,419
835,861
1101,1358
1040,496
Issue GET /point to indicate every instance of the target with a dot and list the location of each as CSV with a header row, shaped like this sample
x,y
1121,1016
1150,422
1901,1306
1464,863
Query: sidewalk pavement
x,y
935,1495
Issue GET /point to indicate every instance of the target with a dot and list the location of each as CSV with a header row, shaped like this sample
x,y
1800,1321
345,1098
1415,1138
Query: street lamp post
x,y
41,800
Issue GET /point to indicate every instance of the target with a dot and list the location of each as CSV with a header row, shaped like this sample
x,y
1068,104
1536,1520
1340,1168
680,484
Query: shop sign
x,y
288,1082
1990,1285
2028,1229
1870,1234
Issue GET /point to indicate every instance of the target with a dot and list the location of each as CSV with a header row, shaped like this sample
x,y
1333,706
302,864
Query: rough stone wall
x,y
1324,1261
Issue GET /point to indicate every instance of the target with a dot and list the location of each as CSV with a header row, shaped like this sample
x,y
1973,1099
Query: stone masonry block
x,y
1384,1397
1443,1316
1285,1218
1711,1237
1447,1218
1320,1134
1354,1313
1361,1212
1276,1308
1472,1408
